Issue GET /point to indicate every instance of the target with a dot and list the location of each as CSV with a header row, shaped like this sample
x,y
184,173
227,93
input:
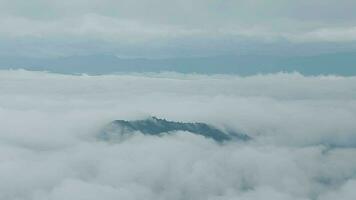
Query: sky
x,y
175,28
302,129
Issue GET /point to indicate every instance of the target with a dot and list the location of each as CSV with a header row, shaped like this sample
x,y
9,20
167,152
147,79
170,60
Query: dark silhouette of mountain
x,y
337,63
156,126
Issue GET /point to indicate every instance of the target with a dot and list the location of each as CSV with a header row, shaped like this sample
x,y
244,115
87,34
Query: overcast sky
x,y
156,28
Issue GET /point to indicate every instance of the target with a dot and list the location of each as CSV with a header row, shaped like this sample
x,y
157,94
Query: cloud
x,y
131,31
43,28
343,34
90,26
303,130
345,192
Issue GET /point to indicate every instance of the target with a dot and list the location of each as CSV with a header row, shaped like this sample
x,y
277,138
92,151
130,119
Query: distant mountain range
x,y
338,63
155,126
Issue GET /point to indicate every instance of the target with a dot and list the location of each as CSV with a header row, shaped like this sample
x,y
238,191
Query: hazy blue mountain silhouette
x,y
156,126
337,63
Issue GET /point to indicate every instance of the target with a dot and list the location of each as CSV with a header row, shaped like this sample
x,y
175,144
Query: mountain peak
x,y
156,126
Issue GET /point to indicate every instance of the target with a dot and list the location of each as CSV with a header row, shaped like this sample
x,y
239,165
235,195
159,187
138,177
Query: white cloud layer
x,y
303,129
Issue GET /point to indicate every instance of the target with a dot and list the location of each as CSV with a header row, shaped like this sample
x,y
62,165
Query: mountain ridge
x,y
337,64
157,126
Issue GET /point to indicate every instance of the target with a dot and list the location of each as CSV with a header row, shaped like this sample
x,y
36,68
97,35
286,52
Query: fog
x,y
302,129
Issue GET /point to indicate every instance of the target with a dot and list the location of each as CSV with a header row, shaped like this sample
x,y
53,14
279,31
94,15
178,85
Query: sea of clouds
x,y
303,130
